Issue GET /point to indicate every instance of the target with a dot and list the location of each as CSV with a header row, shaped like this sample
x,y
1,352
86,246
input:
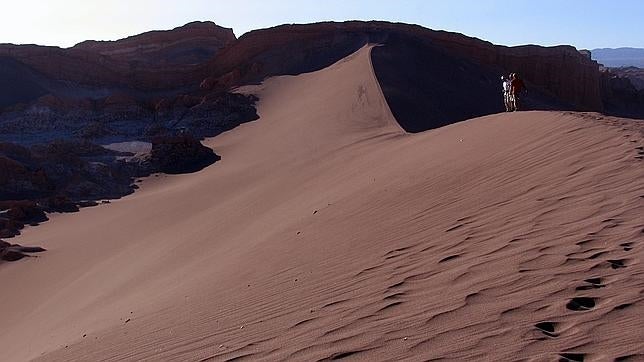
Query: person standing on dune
x,y
506,93
516,88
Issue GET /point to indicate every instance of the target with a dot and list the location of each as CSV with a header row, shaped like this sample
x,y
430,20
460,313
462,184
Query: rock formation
x,y
157,60
190,44
623,91
435,65
180,153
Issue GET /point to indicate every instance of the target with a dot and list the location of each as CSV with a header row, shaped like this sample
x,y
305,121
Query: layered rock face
x,y
40,173
18,83
465,68
121,117
13,252
291,49
190,44
156,60
561,71
15,214
180,154
52,65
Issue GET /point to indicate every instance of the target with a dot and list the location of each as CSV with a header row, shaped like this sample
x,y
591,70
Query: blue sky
x,y
584,24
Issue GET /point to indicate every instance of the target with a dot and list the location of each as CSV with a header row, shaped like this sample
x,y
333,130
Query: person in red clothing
x,y
517,87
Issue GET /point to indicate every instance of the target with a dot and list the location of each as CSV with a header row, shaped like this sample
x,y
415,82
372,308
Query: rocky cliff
x,y
58,106
623,91
457,75
152,61
289,49
190,44
155,63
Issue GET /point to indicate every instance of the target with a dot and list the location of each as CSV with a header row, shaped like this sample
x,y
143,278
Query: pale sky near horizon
x,y
585,24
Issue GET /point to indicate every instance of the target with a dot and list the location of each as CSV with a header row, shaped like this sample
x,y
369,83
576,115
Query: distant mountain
x,y
619,57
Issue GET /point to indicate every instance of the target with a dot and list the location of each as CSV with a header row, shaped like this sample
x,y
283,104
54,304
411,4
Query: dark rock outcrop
x,y
14,215
621,91
77,169
122,117
61,176
146,75
181,153
18,83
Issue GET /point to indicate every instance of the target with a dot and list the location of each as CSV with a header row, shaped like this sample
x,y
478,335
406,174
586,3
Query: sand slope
x,y
327,232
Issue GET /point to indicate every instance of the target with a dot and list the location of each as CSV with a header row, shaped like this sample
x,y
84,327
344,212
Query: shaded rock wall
x,y
192,43
621,93
150,61
175,61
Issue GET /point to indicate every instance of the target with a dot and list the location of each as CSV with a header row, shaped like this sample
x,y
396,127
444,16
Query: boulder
x,y
14,252
180,153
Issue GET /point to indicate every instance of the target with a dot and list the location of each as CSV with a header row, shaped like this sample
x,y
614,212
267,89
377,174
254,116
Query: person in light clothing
x,y
507,101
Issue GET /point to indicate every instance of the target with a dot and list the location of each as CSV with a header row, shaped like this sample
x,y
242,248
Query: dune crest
x,y
326,232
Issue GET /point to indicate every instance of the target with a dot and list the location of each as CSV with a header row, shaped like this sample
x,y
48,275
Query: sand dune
x,y
326,232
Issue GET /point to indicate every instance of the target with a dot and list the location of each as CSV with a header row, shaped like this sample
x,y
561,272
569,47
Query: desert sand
x,y
327,232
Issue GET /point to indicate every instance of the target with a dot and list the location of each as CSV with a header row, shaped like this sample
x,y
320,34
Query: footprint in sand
x,y
617,263
593,283
448,258
571,357
580,304
632,357
547,328
597,255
